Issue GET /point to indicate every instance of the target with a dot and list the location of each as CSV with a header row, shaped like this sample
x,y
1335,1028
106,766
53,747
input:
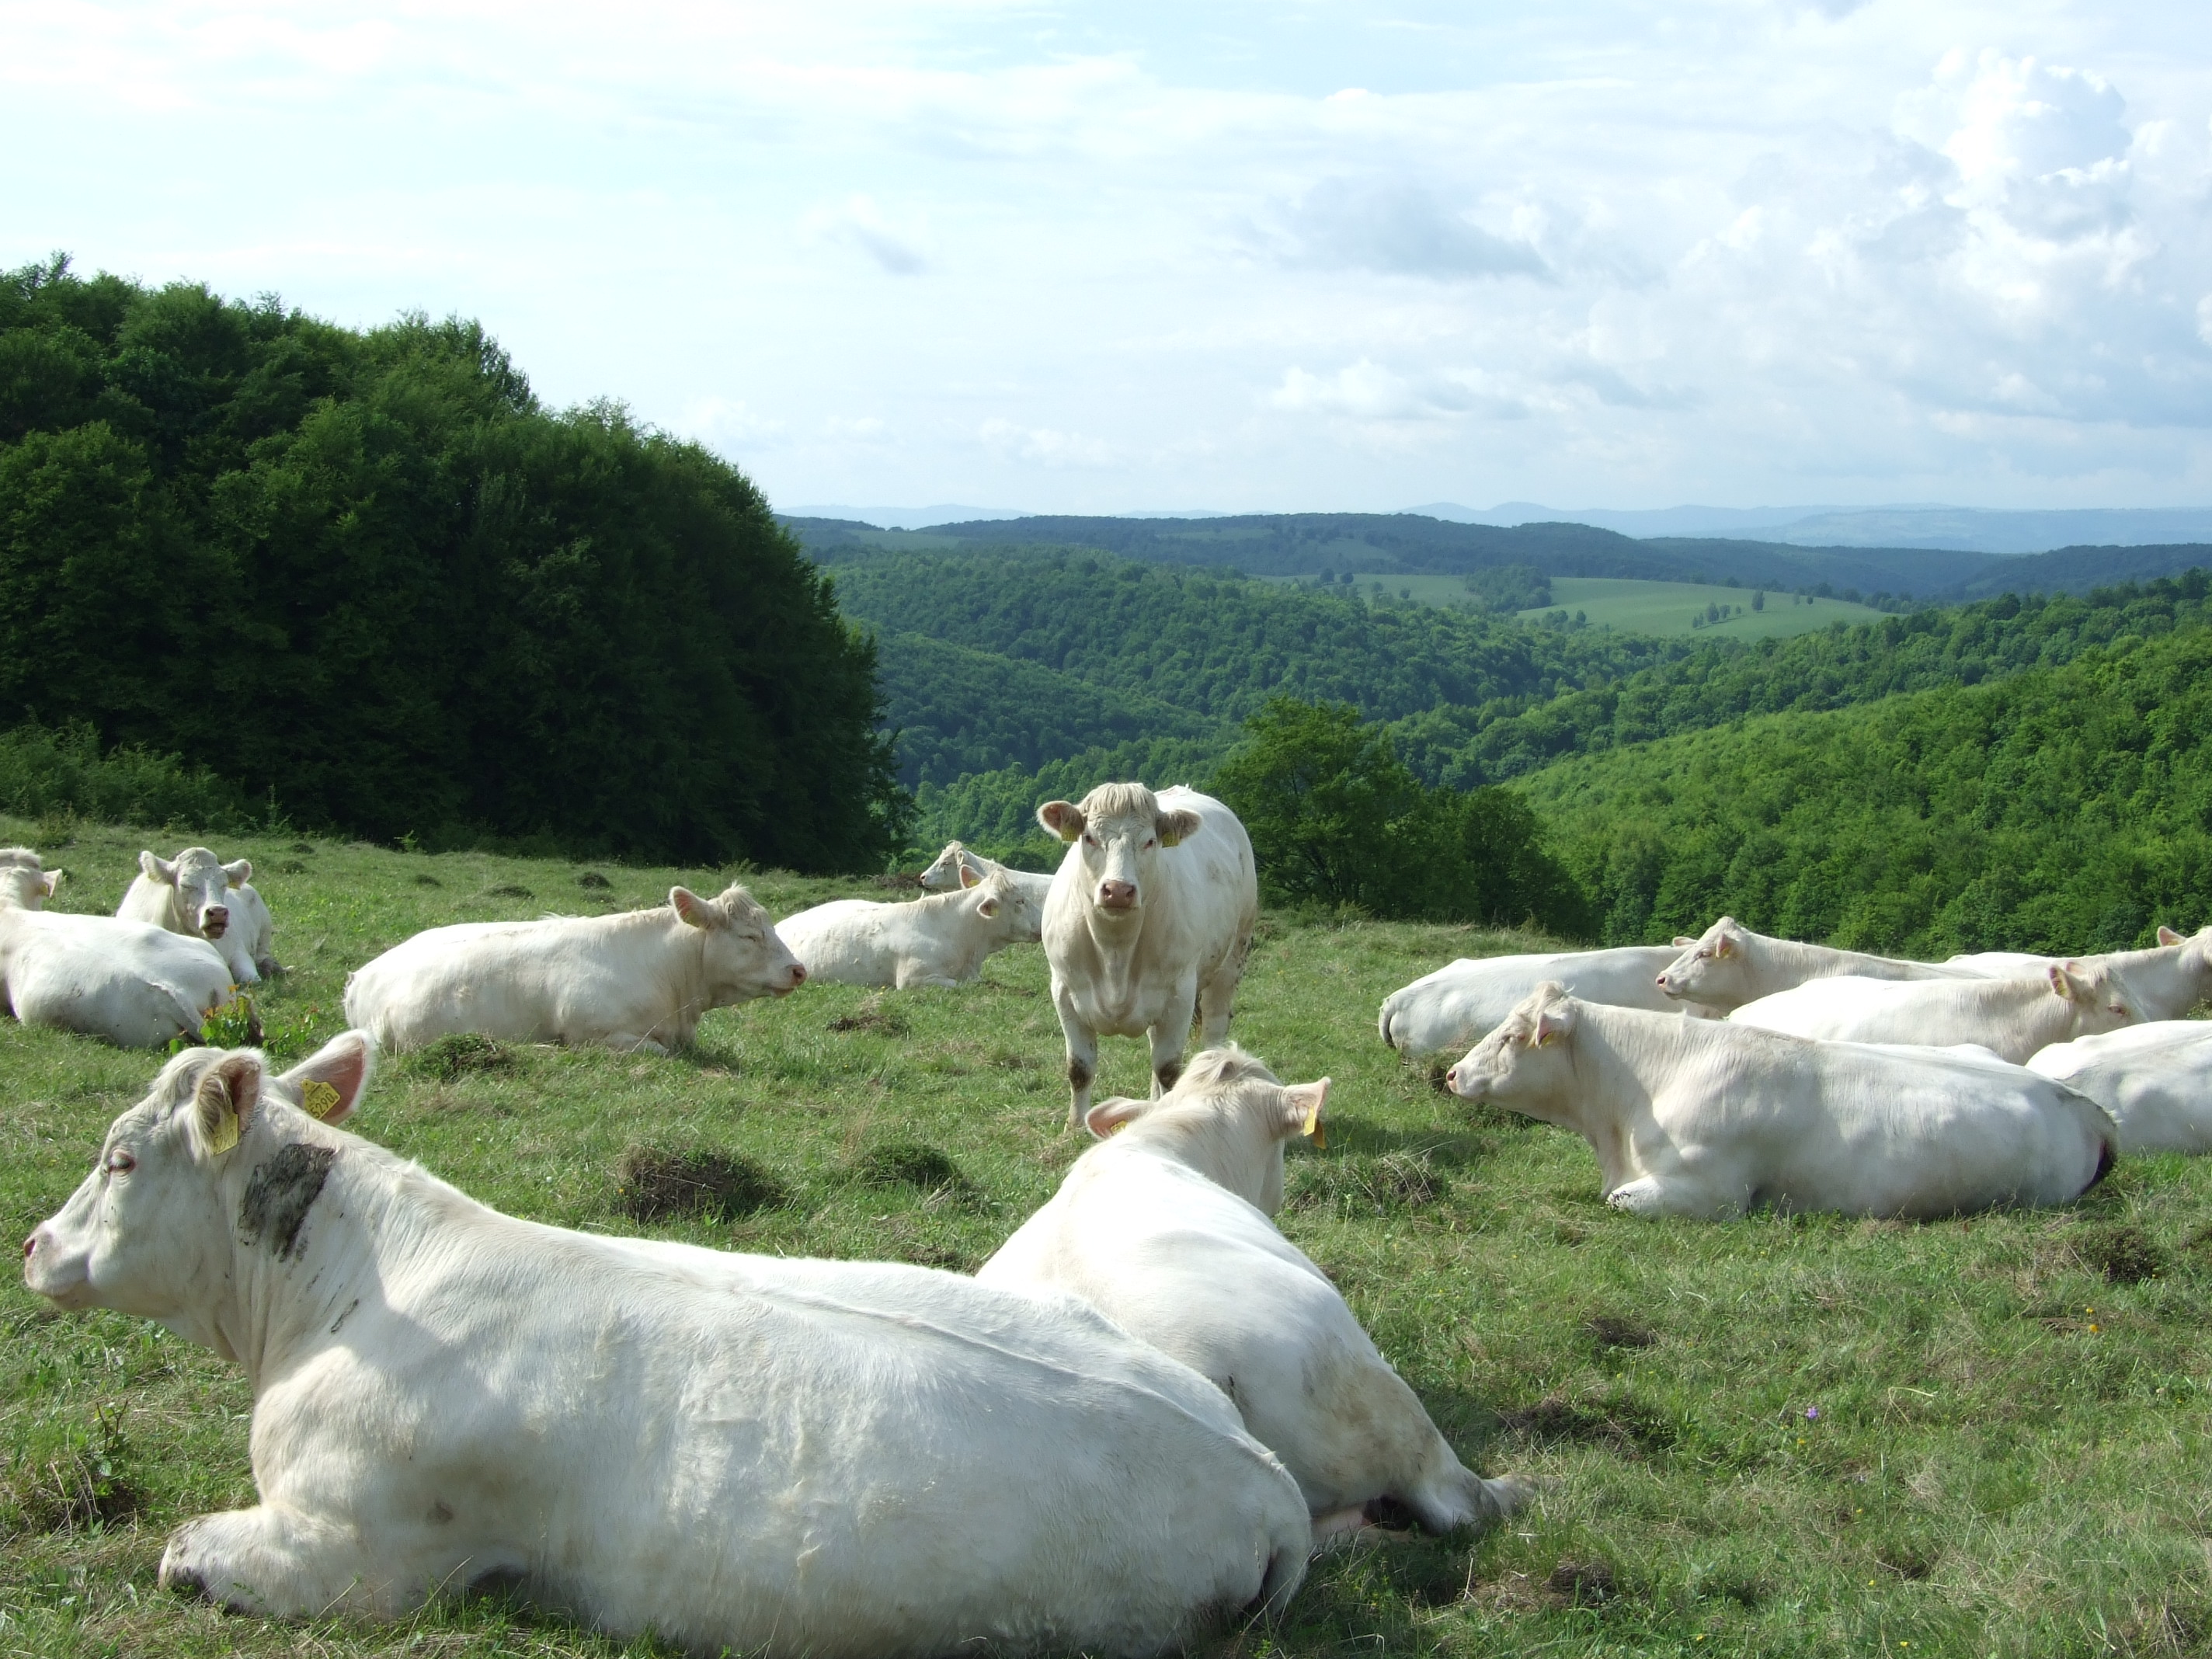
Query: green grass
x,y
1647,607
2008,1457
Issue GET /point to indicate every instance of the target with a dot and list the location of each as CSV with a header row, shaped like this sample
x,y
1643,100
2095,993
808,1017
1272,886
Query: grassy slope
x,y
1666,608
1995,1467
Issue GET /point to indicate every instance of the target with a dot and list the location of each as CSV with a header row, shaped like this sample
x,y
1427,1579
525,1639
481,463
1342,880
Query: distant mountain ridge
x,y
1957,529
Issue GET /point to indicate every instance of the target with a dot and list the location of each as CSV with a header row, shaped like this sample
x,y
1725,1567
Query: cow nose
x,y
798,973
1661,981
1117,895
29,1245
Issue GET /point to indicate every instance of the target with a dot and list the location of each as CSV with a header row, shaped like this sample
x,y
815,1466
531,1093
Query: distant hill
x,y
1978,529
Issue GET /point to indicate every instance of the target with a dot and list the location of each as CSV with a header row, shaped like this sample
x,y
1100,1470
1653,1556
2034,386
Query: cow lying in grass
x,y
1728,966
741,1454
637,980
2011,1018
2154,1080
956,867
133,985
2168,979
1163,1229
1453,1006
196,895
1708,1118
942,939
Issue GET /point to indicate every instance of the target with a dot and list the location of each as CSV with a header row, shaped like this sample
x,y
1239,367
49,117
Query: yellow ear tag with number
x,y
224,1135
317,1098
1312,1129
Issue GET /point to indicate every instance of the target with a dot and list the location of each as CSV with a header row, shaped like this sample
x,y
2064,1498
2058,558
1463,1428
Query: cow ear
x,y
2167,936
1063,818
690,908
1109,1117
987,909
2063,982
223,1103
1303,1107
1680,940
237,872
54,879
331,1080
158,869
969,878
1175,826
1552,1023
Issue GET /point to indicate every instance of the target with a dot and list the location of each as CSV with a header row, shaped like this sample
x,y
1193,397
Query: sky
x,y
1236,256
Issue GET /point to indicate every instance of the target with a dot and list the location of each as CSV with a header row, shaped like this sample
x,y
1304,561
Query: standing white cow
x,y
1708,1118
1163,1229
136,986
1453,1006
638,981
942,939
741,1453
2155,1079
2168,978
1728,966
1148,919
2011,1018
956,867
198,894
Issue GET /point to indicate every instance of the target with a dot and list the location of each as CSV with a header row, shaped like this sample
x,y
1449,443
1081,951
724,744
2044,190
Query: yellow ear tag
x,y
1313,1130
224,1135
316,1098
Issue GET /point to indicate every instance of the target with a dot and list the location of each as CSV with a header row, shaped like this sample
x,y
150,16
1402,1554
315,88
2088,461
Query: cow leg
x,y
281,1563
1172,1036
630,1042
1081,1059
1217,996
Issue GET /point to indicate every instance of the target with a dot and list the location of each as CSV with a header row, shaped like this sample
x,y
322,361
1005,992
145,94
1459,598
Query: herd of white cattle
x,y
1147,1408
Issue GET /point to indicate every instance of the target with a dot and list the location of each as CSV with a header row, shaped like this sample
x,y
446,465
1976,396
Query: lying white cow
x,y
2011,1018
198,894
2154,1080
942,939
1453,1006
136,986
956,867
1708,1118
1149,920
639,980
2168,979
1164,1230
27,885
1728,966
740,1453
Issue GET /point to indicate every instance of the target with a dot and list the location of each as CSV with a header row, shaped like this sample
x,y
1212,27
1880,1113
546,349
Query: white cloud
x,y
857,220
1044,445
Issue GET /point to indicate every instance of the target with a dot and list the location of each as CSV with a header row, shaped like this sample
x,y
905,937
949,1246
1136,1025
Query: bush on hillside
x,y
367,571
45,774
1337,819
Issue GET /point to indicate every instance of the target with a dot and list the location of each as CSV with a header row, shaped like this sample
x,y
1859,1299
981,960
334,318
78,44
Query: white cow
x,y
741,1454
1148,919
2155,1079
1453,1006
136,986
23,883
942,939
1728,966
1163,1229
1708,1118
198,894
2168,979
956,867
2011,1018
637,980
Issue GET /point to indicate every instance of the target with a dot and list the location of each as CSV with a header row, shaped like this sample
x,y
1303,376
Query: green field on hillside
x,y
1800,1438
1667,608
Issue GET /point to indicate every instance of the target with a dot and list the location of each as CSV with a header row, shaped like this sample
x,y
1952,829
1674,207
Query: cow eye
x,y
1089,839
1149,841
120,1162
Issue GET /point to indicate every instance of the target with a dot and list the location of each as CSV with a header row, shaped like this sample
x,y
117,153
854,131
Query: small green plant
x,y
653,1183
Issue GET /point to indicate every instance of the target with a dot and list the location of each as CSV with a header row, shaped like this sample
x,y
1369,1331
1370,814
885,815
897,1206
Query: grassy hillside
x,y
2011,1416
1645,607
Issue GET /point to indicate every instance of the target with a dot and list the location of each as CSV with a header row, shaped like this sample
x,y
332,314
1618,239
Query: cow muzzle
x,y
1117,895
215,921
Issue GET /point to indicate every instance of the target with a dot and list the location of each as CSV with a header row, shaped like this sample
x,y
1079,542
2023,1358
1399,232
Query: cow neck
x,y
1117,944
1822,961
1206,1145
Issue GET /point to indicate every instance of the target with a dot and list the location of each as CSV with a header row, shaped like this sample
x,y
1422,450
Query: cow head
x,y
954,868
27,887
2101,998
1228,1117
999,899
1117,833
1528,1061
745,958
203,883
150,1232
1711,969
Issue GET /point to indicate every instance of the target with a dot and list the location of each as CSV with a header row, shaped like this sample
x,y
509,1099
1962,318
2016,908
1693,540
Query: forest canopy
x,y
365,571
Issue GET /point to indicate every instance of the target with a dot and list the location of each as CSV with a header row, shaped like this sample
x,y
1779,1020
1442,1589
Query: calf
x,y
1163,1229
1148,919
2168,979
2156,1080
135,986
1451,1008
740,1453
1729,965
638,981
2011,1018
942,939
956,867
196,895
1710,1118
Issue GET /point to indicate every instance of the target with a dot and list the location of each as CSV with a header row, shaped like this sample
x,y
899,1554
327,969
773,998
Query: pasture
x,y
1653,607
1774,1437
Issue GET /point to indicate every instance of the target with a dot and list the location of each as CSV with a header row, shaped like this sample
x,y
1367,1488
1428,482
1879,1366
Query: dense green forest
x,y
365,574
